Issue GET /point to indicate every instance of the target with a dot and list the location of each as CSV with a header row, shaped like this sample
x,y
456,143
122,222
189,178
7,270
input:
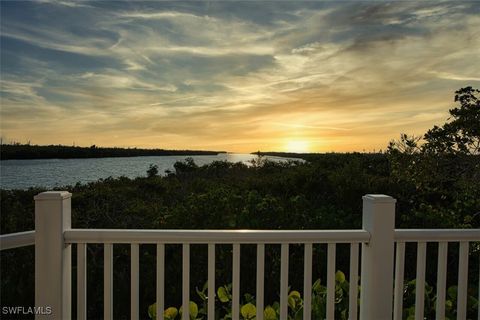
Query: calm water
x,y
22,174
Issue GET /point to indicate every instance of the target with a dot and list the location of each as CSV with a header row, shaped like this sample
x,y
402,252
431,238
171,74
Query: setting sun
x,y
298,146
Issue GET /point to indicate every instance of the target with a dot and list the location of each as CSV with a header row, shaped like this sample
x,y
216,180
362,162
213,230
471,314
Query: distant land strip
x,y
319,156
26,151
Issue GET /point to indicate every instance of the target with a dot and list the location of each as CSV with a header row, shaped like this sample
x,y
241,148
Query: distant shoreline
x,y
30,152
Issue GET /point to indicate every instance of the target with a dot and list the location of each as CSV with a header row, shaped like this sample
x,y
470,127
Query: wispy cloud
x,y
343,76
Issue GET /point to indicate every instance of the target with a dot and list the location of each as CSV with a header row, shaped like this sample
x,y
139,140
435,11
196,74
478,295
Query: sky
x,y
235,76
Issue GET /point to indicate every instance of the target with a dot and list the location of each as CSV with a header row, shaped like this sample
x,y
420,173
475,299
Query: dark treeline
x,y
27,151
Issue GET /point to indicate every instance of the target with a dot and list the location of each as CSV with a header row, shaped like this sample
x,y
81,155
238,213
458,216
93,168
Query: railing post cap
x,y
379,198
53,195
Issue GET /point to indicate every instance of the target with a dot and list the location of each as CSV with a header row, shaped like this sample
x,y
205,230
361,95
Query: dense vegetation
x,y
27,151
435,184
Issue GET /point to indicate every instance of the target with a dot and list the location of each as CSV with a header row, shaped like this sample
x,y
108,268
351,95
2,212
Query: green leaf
x,y
222,294
295,294
448,304
452,292
193,310
299,314
291,302
201,294
248,311
316,286
269,313
170,313
340,276
276,307
152,311
249,298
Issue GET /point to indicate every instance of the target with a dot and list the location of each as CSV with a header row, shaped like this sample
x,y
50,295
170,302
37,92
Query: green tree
x,y
438,175
462,133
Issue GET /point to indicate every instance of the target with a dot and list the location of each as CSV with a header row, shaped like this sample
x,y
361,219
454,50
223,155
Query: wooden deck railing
x,y
381,281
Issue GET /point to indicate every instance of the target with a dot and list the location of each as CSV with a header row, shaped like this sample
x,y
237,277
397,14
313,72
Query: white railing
x,y
17,240
442,237
53,238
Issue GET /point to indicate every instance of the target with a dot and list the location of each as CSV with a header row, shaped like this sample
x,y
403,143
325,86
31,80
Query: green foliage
x,y
269,313
248,308
430,301
438,180
248,311
461,135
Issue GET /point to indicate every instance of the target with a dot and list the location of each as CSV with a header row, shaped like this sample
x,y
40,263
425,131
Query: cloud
x,y
342,75
122,82
70,4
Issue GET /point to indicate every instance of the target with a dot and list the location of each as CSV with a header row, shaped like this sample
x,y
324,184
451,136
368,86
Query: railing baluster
x,y
82,281
420,282
307,282
134,281
399,276
260,279
284,282
108,282
186,282
462,281
441,280
211,281
353,290
331,281
160,280
236,282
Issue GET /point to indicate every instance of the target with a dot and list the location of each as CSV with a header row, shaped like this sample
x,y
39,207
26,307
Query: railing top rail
x,y
16,240
214,236
436,235
21,239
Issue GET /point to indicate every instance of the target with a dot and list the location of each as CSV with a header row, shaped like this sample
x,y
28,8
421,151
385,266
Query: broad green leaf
x,y
452,292
291,302
248,311
340,276
269,313
170,313
295,294
152,311
222,294
193,310
276,307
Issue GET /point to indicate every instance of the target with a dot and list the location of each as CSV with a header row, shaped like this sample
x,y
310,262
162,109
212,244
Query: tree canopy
x,y
459,135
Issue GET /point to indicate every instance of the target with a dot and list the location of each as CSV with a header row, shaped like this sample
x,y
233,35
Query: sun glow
x,y
297,146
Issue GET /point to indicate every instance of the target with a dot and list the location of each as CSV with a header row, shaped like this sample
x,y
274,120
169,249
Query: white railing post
x,y
52,256
377,257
